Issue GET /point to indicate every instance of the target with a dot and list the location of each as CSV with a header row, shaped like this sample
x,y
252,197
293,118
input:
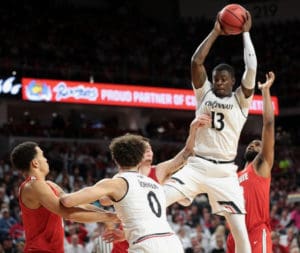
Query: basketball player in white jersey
x,y
159,173
212,170
139,201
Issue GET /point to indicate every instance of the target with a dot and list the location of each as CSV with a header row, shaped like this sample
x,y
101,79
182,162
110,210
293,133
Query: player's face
x,y
222,83
148,156
42,160
252,150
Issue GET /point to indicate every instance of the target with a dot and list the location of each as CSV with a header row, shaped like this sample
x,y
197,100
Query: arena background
x,y
138,43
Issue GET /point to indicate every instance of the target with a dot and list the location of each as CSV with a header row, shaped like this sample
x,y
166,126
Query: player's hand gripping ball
x,y
232,18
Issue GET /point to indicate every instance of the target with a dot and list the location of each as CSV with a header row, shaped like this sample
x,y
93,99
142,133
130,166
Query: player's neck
x,y
36,175
124,169
145,169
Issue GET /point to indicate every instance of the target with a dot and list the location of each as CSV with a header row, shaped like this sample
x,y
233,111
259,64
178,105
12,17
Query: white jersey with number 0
x,y
143,212
228,114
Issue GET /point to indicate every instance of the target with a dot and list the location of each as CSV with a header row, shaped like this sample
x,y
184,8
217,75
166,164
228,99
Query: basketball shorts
x,y
158,244
219,181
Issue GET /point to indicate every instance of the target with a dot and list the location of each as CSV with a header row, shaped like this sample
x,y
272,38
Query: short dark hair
x,y
225,66
139,136
23,154
128,150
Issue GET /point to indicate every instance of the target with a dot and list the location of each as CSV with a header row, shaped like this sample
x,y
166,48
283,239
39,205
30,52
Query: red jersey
x,y
122,247
44,231
257,196
257,201
152,173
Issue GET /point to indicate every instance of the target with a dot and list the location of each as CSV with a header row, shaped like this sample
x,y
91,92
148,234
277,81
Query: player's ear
x,y
233,80
118,165
34,163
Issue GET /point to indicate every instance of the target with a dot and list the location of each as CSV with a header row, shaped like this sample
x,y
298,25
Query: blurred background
x,y
134,44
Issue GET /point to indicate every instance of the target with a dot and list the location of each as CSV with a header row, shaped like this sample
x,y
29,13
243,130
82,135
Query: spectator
x,y
20,246
6,222
220,246
218,239
184,238
4,199
197,247
75,246
277,247
203,236
74,228
9,245
17,231
289,240
295,215
285,218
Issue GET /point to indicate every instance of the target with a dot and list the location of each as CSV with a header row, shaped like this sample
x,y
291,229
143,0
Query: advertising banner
x,y
45,90
10,86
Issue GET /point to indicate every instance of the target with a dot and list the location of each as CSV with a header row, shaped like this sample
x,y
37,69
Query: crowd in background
x,y
34,43
75,165
69,43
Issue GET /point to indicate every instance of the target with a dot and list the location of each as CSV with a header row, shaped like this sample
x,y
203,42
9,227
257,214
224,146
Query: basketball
x,y
232,18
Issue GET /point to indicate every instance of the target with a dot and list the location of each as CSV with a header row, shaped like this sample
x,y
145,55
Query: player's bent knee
x,y
173,195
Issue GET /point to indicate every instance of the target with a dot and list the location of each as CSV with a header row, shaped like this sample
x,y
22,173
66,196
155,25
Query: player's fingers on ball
x,y
248,15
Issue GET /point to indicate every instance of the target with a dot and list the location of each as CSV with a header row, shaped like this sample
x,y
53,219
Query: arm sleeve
x,y
250,60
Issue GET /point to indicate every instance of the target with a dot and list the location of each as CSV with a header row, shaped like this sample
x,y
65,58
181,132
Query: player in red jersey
x,y
160,173
256,179
39,202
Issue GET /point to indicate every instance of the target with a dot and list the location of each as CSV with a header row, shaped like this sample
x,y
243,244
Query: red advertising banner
x,y
118,95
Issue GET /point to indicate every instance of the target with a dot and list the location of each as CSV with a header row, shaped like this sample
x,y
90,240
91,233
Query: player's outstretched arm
x,y
83,206
198,71
113,188
265,160
40,191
